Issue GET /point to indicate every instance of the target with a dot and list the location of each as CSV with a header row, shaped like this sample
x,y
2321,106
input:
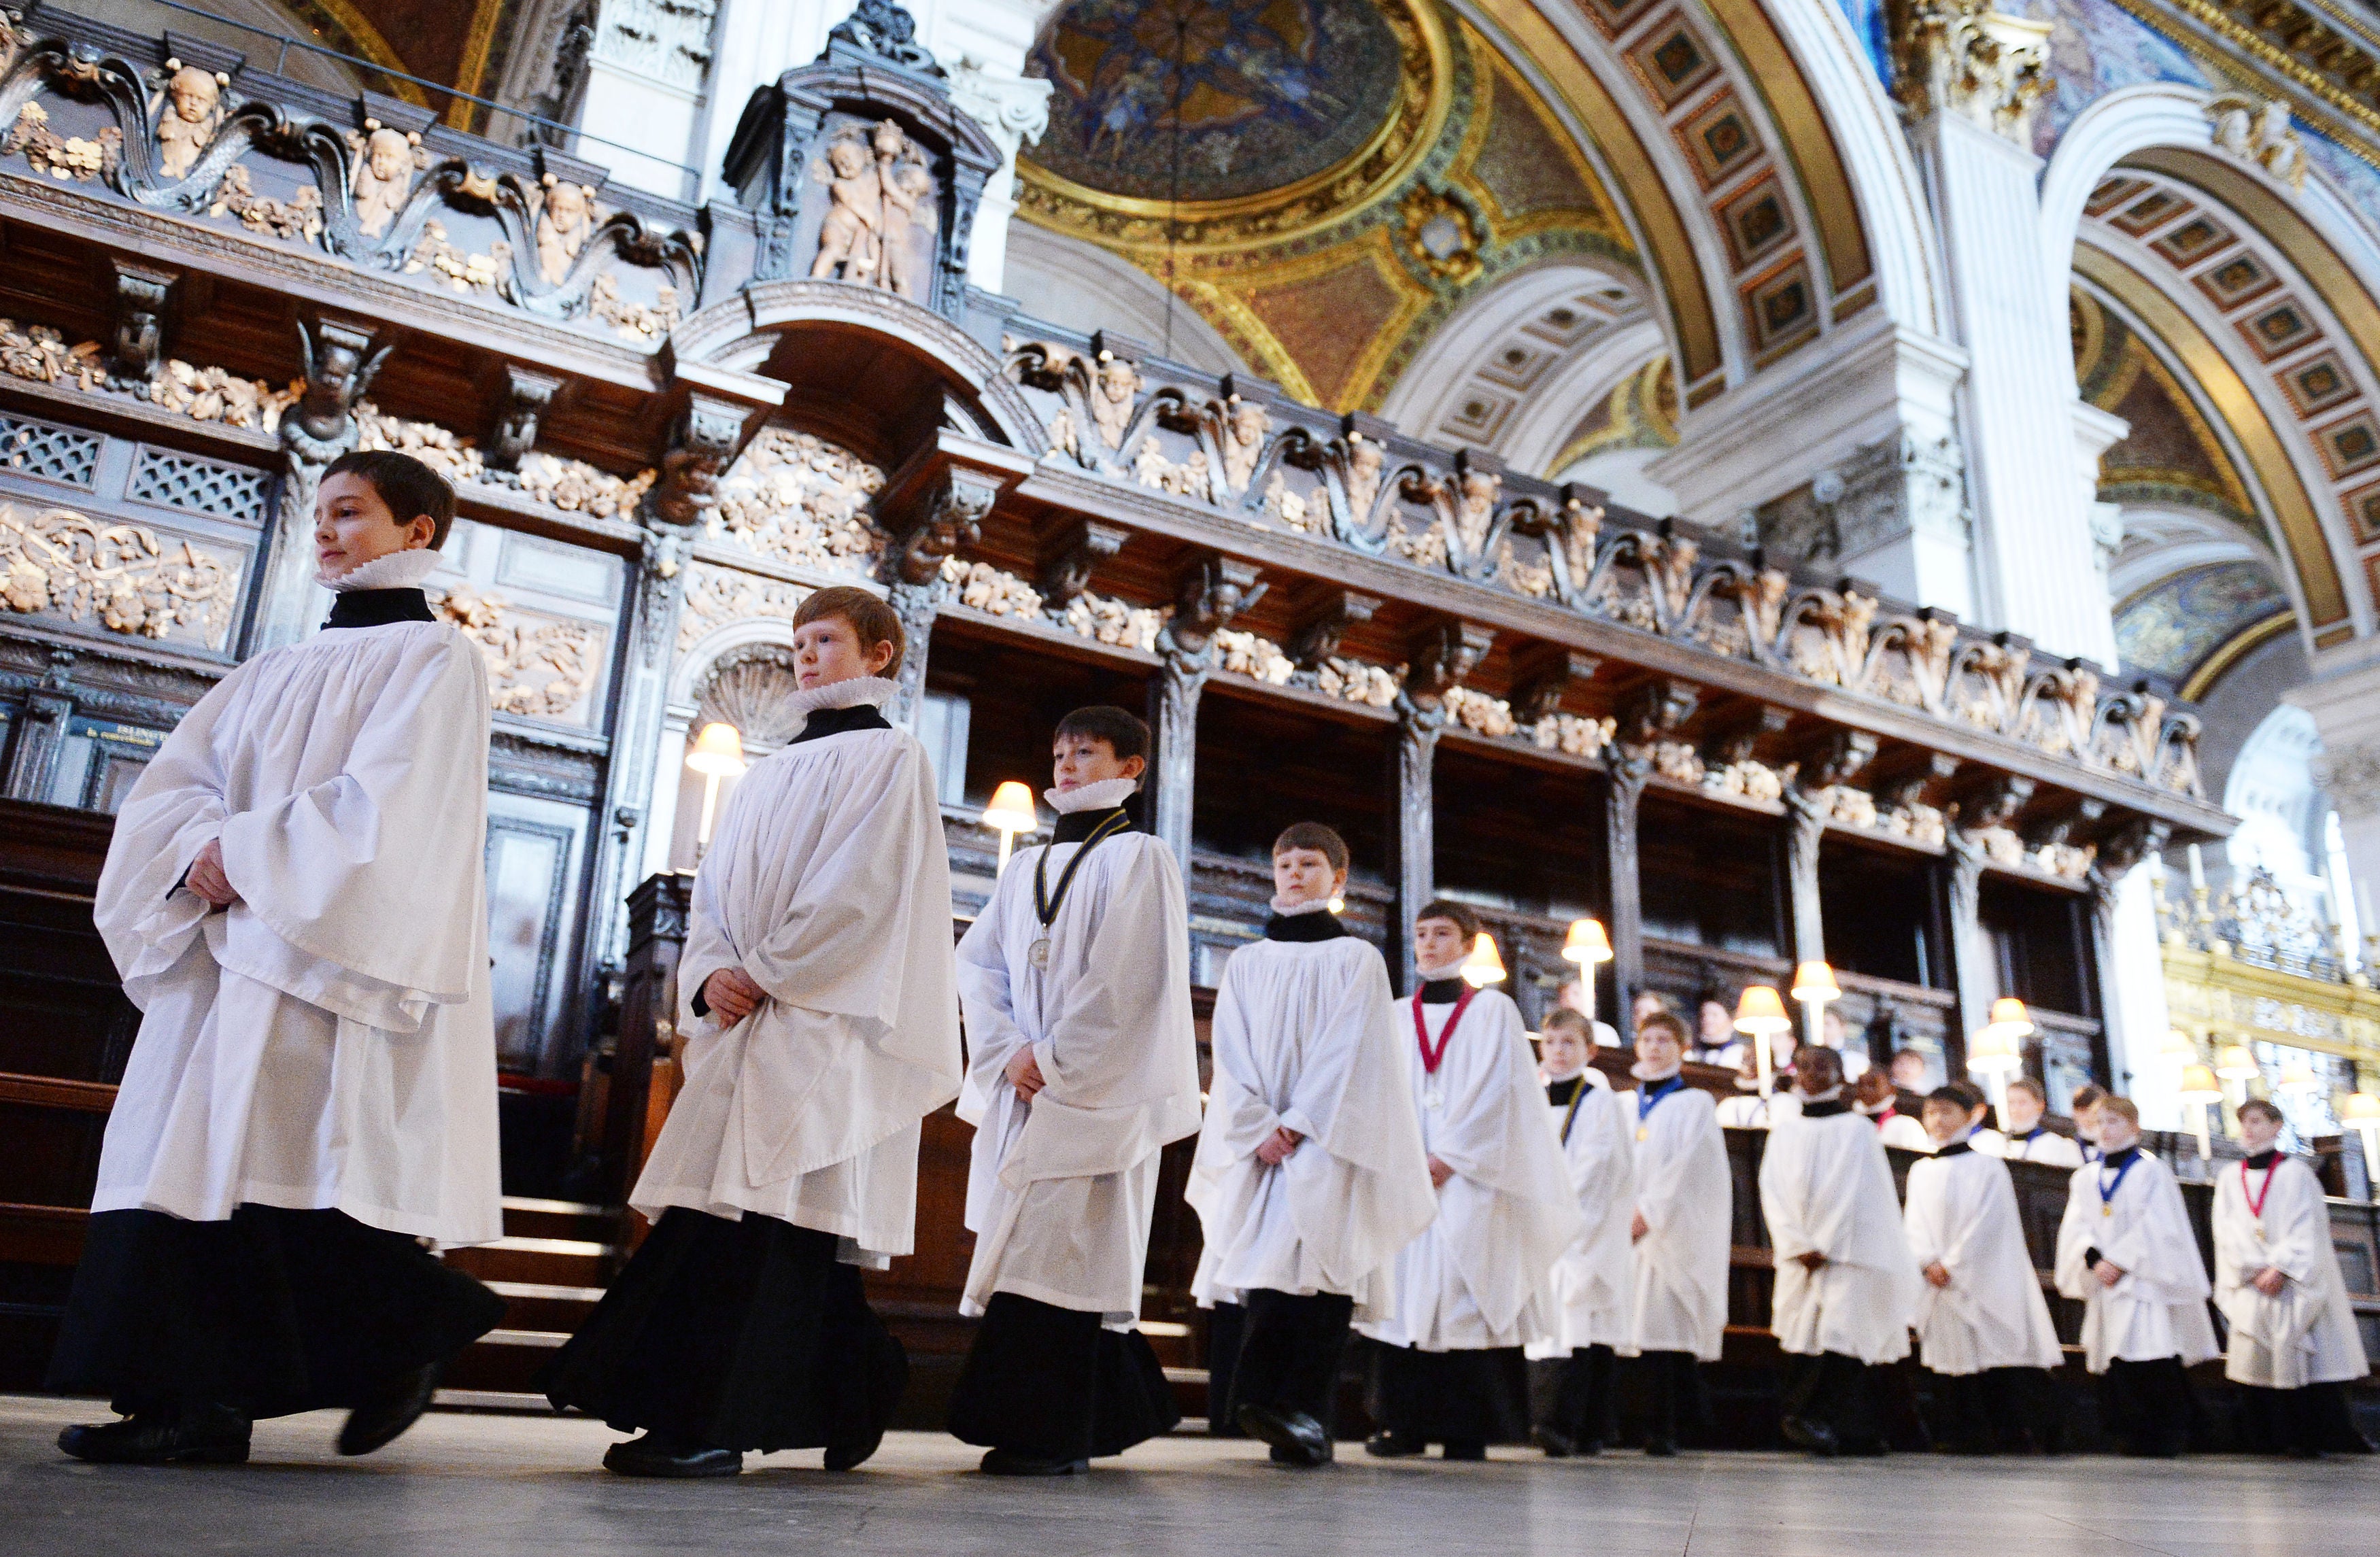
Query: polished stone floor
x,y
492,1486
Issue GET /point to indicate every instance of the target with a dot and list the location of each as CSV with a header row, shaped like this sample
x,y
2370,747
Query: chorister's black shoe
x,y
1007,1462
1296,1438
1660,1449
1390,1444
1817,1437
1865,1448
1464,1449
655,1454
382,1419
1298,1458
1557,1444
200,1435
851,1457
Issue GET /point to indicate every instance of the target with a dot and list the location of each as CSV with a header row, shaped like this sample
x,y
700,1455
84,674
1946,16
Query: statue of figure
x,y
908,202
561,229
384,178
1114,389
192,114
1364,460
1244,435
848,236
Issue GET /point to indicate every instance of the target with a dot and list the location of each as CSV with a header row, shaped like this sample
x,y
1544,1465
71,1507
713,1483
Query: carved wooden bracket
x,y
949,515
1656,709
1841,755
1993,801
2130,841
1067,566
1207,595
1440,656
1738,741
1318,638
139,301
521,401
341,356
1542,675
703,441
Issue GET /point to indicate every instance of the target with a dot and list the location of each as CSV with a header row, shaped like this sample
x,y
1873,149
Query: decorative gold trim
x,y
2289,63
1636,419
1253,334
369,43
1809,141
2293,507
2229,652
1201,226
2210,993
472,72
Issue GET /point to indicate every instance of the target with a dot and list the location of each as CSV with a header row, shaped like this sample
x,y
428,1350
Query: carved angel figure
x,y
563,227
386,164
1243,434
1364,460
1114,389
848,236
188,118
1474,509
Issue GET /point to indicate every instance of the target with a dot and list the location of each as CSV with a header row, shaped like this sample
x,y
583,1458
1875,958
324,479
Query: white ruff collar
x,y
397,570
1441,970
859,689
1829,1095
1641,1070
1566,1076
1104,795
1313,906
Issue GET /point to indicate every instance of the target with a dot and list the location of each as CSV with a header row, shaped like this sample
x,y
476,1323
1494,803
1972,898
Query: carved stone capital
x,y
1437,658
1015,109
2351,776
1207,595
703,441
521,401
1067,565
1964,57
1319,636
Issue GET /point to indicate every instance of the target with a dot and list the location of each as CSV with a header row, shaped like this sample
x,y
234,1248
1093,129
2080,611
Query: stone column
x,y
1624,777
1437,660
2344,697
1015,109
2127,1031
340,361
1207,595
951,516
702,439
1989,805
1805,826
646,75
1971,80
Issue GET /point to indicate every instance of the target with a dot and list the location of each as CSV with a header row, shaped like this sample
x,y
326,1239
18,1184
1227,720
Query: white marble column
x,y
2344,697
646,76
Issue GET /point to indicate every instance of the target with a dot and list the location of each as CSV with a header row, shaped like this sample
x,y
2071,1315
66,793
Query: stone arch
x,y
1065,280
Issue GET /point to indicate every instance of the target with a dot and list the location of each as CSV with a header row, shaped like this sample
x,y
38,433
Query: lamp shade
x,y
717,752
2179,1048
2235,1062
1760,1011
2009,1013
1587,944
1483,967
2199,1085
1815,980
2360,1111
1011,809
2298,1080
1995,1049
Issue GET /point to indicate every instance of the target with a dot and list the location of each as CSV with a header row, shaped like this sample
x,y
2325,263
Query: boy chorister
x,y
2125,1249
821,1026
295,898
1845,1285
1679,1233
1592,1281
1878,1102
2027,1139
1478,1284
2293,1343
1310,1174
1983,1328
2087,1099
1082,1064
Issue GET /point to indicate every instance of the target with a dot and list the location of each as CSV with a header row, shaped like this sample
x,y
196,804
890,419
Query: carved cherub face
x,y
889,141
388,155
567,204
1365,458
194,94
1248,421
914,178
847,159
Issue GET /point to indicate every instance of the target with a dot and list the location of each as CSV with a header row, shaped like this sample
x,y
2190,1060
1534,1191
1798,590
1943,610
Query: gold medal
x,y
2107,1211
1643,1133
1039,953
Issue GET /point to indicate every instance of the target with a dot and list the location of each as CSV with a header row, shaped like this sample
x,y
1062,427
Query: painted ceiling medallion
x,y
1241,119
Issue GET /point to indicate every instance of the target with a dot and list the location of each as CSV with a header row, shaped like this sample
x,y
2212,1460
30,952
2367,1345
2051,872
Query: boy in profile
x,y
1310,1174
1592,1280
1082,1064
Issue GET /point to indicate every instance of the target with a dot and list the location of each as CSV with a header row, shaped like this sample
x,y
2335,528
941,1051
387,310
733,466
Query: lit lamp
x,y
2177,1050
1483,967
1997,1052
1011,812
718,753
1587,945
1814,985
2235,1064
2199,1085
2360,1112
2298,1081
1760,1015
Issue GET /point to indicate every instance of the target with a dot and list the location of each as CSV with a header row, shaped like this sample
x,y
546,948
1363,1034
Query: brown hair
x,y
1312,835
1568,1021
1814,1062
2259,1105
2088,1095
2122,1107
1460,914
1667,1022
872,621
410,488
2027,1083
1126,734
1967,1091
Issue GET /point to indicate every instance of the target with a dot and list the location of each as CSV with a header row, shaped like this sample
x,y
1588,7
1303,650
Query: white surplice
x,y
1481,1274
2159,1308
1750,1111
1594,1280
1826,1188
1899,1132
1305,1037
2038,1145
1061,1190
1685,1192
1962,1214
2305,1334
829,884
327,1041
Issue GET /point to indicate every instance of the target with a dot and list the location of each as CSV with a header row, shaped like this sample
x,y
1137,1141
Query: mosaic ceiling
x,y
1263,93
2177,623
